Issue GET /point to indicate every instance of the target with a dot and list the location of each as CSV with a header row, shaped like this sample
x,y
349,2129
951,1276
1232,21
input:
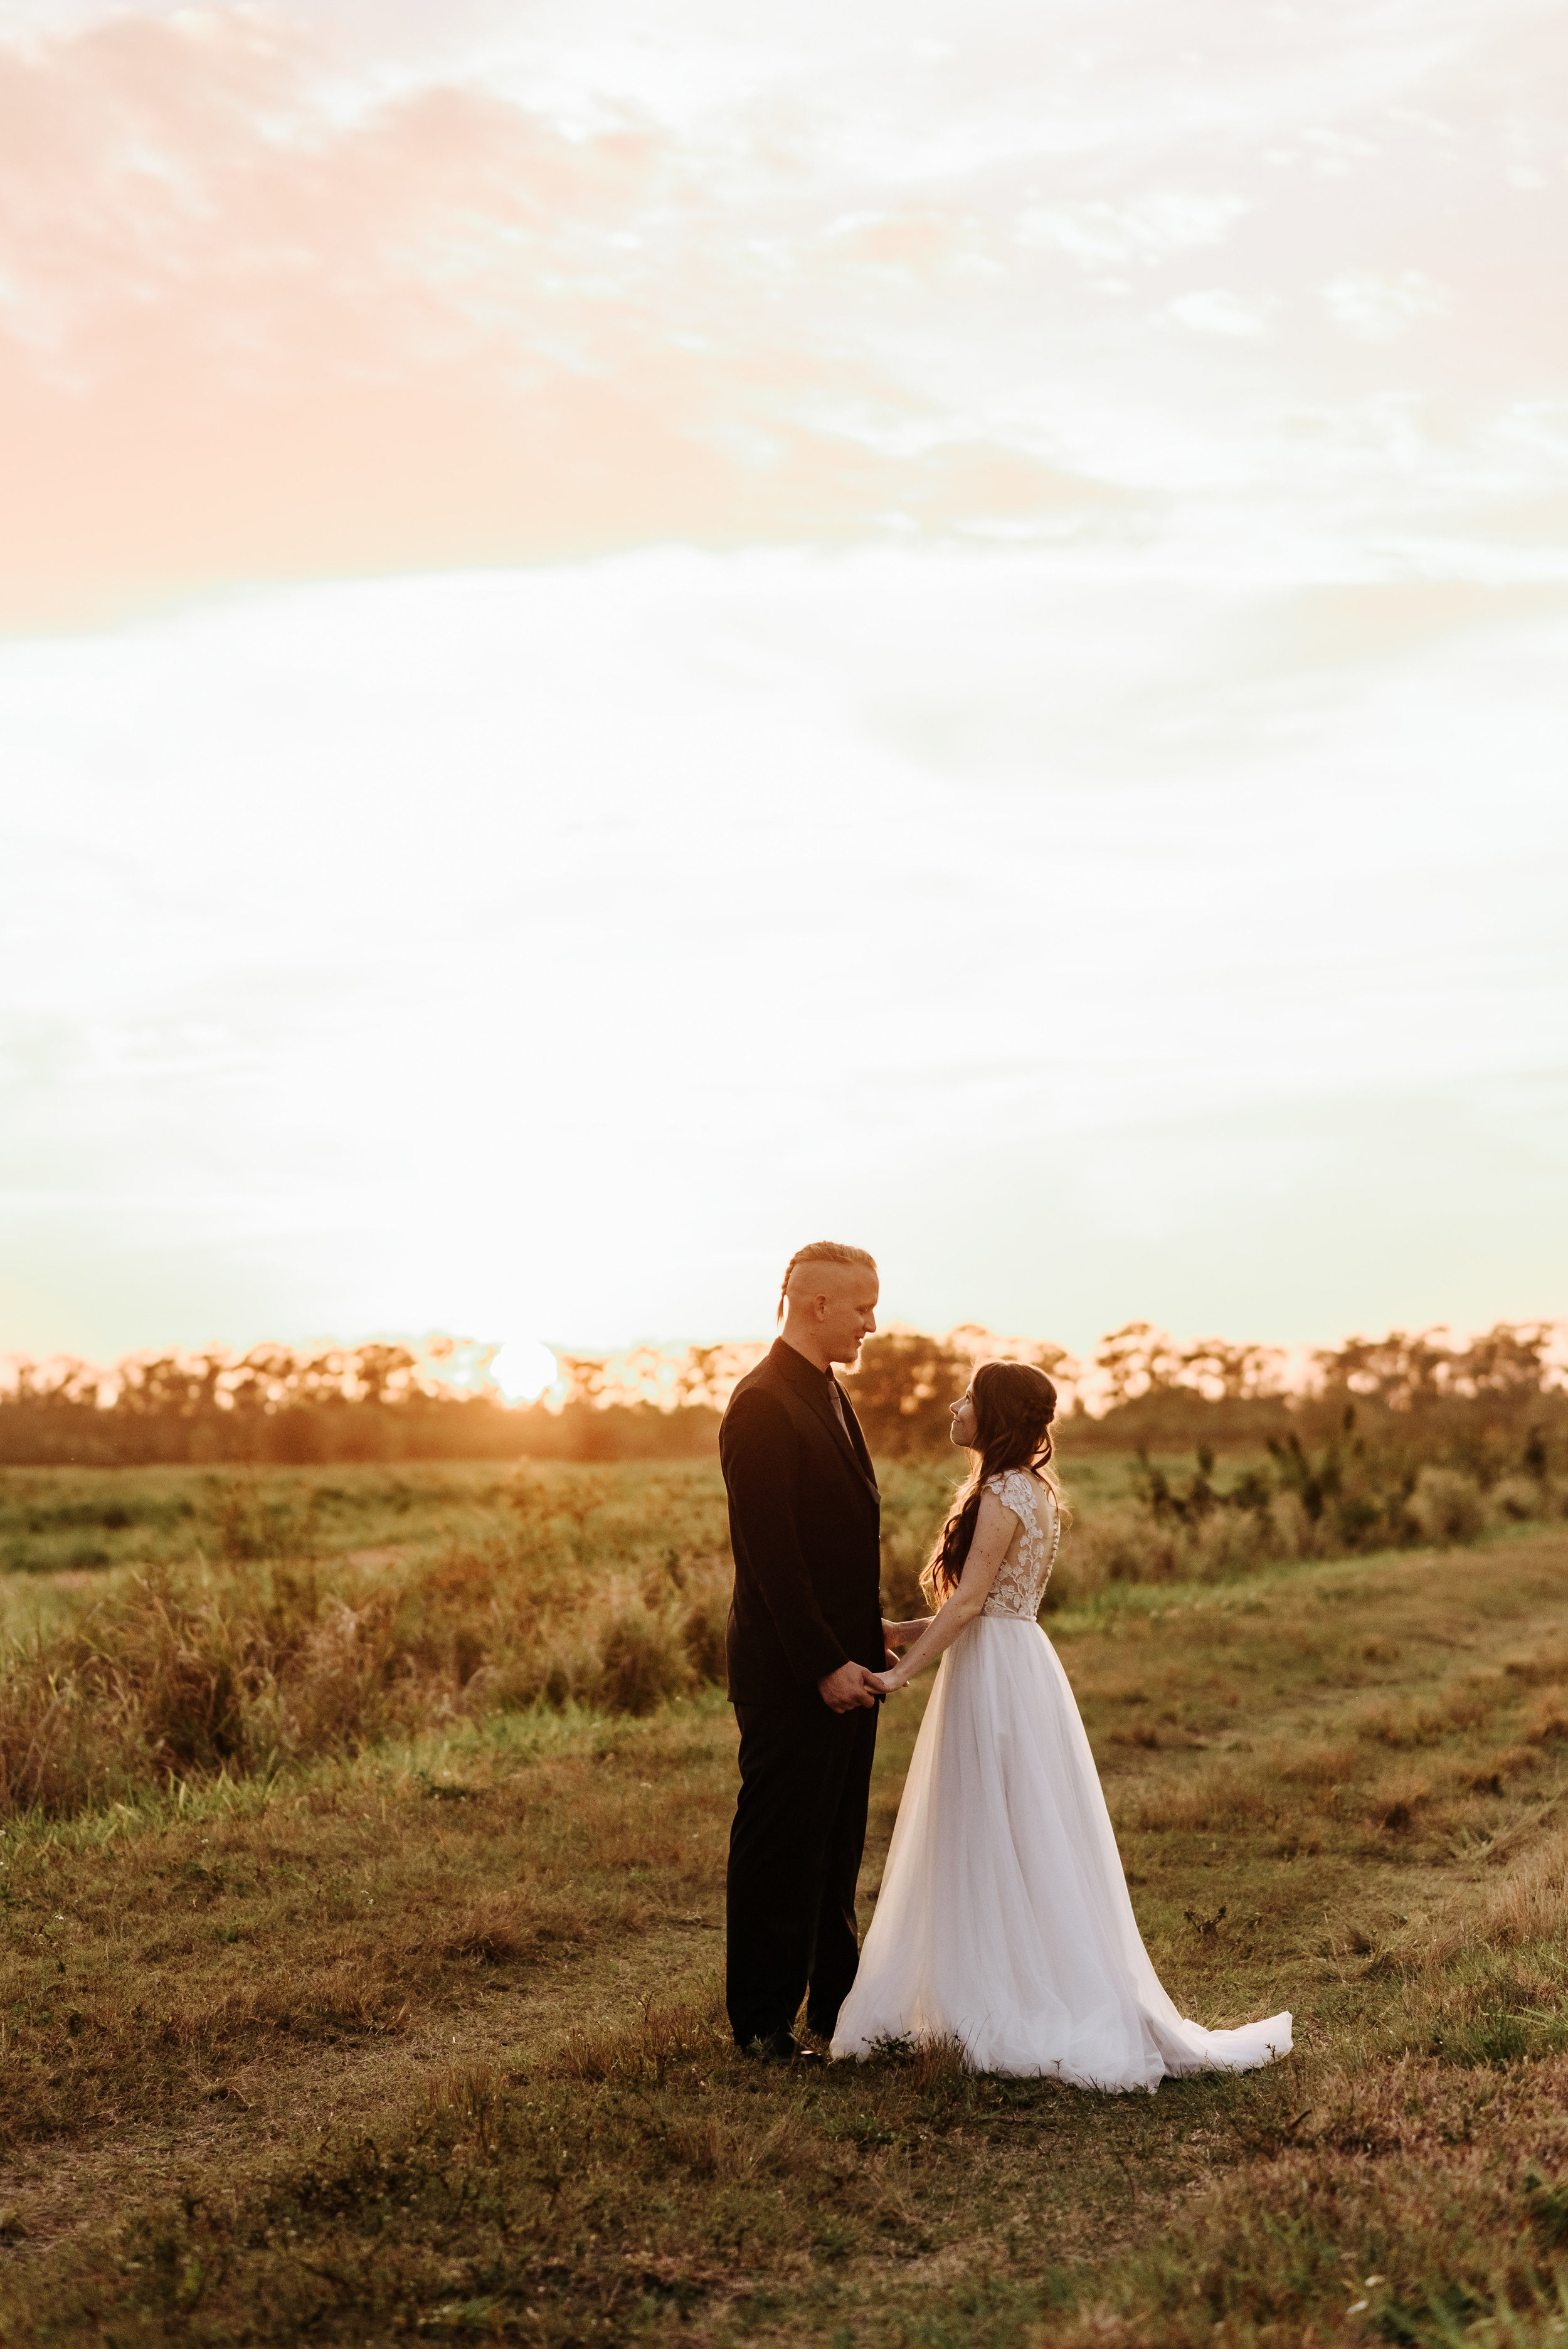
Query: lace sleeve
x,y
1021,1581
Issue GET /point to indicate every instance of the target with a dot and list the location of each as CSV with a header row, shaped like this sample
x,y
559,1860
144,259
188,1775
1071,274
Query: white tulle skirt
x,y
1004,1920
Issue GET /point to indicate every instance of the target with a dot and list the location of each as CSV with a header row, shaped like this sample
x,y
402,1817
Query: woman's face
x,y
962,1413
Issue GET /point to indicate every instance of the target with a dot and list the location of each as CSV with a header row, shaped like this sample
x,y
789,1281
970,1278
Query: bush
x,y
642,1659
237,1665
1232,1542
1292,1532
1123,1542
1447,1507
602,1586
1517,1499
705,1617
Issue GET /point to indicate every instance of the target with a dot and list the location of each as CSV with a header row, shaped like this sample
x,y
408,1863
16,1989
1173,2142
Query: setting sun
x,y
867,707
523,1368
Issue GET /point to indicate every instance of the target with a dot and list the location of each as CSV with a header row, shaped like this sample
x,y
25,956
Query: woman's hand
x,y
892,1681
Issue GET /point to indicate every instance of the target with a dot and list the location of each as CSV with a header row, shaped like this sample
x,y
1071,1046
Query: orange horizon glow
x,y
622,643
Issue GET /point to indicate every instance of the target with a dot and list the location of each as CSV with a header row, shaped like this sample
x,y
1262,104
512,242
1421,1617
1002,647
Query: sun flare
x,y
523,1368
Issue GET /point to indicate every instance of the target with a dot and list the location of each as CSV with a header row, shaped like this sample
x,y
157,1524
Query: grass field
x,y
409,2028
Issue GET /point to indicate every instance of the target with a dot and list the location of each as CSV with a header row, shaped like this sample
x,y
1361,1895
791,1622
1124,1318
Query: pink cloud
x,y
240,336
269,308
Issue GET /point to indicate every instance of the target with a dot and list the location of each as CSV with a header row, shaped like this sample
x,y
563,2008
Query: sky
x,y
624,643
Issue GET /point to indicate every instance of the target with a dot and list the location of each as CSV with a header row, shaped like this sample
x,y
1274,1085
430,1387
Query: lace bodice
x,y
1021,1580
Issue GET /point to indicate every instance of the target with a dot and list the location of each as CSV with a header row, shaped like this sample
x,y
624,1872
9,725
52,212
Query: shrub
x,y
1292,1533
705,1617
232,1668
1231,1542
1516,1500
1122,1544
642,1657
1447,1507
602,1586
337,1689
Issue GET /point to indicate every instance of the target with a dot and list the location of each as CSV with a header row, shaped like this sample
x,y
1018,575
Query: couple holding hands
x,y
1003,1923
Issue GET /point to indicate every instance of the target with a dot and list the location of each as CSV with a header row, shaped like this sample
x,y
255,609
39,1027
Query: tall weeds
x,y
243,1664
605,1585
1347,1498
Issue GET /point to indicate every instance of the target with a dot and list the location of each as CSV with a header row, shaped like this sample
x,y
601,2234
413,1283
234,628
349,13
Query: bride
x,y
1004,1920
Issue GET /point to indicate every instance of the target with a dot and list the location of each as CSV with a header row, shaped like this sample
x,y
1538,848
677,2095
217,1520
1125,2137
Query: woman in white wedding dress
x,y
1004,1920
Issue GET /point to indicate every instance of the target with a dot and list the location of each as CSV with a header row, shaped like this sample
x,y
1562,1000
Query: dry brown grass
x,y
146,1957
252,1622
423,2042
239,1667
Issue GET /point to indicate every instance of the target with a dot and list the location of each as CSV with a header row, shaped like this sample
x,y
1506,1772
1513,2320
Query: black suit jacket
x,y
805,1519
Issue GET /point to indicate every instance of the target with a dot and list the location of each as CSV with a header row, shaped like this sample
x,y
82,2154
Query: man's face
x,y
849,1312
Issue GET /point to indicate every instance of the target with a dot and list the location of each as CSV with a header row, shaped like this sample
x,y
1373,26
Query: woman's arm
x,y
994,1530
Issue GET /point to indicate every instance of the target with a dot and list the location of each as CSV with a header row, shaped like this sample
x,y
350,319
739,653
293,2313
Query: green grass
x,y
86,1519
267,1619
422,2040
89,1520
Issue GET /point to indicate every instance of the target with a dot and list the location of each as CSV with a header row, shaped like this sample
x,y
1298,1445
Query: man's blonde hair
x,y
821,1252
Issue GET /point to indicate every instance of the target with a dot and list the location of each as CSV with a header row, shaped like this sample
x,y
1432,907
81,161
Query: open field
x,y
90,1520
415,2034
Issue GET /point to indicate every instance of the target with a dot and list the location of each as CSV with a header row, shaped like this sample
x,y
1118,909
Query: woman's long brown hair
x,y
1015,1404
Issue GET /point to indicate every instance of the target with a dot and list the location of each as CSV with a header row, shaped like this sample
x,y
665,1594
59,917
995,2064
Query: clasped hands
x,y
853,1686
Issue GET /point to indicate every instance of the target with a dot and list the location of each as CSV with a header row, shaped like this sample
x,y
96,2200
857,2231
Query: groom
x,y
805,1635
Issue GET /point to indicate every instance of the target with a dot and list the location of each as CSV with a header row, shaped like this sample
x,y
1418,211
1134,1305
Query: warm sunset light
x,y
524,1370
979,600
861,709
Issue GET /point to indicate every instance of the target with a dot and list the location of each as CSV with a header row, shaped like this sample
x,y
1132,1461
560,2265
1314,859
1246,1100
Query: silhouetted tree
x,y
902,1389
1223,1372
1405,1373
1136,1360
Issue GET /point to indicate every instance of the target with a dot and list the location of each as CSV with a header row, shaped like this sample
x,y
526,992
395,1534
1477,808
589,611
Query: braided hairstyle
x,y
1015,1404
821,1252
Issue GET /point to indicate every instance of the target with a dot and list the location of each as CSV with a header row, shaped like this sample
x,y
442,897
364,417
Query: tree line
x,y
1140,1390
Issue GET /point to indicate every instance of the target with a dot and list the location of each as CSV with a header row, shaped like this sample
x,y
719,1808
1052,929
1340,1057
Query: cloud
x,y
247,325
1149,229
1379,309
315,288
1214,311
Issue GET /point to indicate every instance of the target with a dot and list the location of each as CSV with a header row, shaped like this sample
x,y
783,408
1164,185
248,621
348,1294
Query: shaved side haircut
x,y
820,1252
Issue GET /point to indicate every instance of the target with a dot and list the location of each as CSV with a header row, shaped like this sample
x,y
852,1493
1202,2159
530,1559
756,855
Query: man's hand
x,y
850,1686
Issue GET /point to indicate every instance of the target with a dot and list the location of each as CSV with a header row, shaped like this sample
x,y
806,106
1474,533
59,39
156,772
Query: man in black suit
x,y
805,1634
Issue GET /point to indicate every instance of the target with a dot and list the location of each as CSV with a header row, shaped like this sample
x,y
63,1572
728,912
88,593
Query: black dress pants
x,y
795,1852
